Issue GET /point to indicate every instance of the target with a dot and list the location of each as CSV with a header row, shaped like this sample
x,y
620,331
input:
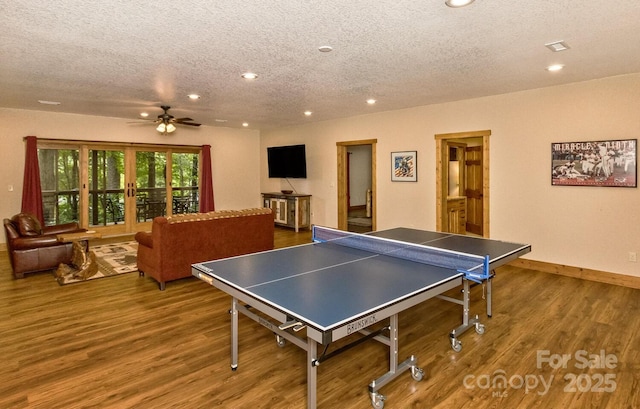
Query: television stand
x,y
289,210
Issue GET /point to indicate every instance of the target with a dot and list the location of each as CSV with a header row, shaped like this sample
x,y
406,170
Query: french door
x,y
117,189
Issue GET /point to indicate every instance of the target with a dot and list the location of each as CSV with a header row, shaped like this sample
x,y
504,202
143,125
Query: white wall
x,y
588,227
235,153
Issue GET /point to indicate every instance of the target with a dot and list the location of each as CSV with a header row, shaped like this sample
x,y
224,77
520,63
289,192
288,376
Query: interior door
x,y
473,189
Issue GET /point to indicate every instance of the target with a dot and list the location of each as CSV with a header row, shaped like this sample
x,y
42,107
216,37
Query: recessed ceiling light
x,y
458,3
308,113
249,76
245,124
371,101
193,96
555,67
44,102
325,49
557,46
144,114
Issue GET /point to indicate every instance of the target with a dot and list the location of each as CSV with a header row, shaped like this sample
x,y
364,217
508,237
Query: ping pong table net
x,y
474,267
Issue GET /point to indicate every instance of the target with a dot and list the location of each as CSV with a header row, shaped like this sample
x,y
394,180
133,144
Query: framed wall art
x,y
404,166
609,163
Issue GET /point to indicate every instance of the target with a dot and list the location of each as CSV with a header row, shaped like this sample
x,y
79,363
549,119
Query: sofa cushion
x,y
218,214
27,224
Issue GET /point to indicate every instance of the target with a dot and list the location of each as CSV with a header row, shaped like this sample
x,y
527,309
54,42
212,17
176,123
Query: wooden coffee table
x,y
82,236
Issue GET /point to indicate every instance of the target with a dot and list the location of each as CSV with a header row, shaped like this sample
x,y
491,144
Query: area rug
x,y
112,259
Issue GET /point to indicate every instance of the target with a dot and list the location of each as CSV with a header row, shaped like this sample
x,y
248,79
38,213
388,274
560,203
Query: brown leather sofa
x,y
175,242
33,248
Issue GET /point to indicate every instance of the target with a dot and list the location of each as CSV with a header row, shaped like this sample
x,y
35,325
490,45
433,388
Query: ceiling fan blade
x,y
145,121
182,119
139,123
188,123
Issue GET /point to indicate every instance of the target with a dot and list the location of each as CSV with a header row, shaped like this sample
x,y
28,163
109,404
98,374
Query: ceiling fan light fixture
x,y
458,3
166,123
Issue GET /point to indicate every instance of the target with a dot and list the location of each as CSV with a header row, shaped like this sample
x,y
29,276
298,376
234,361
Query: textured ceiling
x,y
119,57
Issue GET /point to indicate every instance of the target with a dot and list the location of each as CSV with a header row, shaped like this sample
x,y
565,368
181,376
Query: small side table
x,y
82,236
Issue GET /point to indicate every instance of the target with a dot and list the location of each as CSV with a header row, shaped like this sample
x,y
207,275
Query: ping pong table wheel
x,y
480,328
456,345
281,341
377,400
417,373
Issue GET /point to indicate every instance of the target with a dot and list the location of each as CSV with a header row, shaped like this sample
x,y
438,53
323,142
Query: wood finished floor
x,y
121,343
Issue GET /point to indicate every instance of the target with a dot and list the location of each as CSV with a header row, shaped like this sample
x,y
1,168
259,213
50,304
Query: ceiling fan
x,y
167,122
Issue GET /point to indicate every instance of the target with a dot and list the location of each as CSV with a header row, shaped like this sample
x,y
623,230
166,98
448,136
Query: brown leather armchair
x,y
32,247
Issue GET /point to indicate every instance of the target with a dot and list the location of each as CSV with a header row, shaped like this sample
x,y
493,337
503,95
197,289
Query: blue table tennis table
x,y
343,284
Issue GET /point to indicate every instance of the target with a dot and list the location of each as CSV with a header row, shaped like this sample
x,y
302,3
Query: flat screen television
x,y
287,161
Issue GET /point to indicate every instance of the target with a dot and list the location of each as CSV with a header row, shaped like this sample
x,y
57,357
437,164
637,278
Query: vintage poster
x,y
610,163
404,166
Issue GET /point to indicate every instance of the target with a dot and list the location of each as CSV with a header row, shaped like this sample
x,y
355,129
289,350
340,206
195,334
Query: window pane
x,y
106,187
184,182
59,179
151,196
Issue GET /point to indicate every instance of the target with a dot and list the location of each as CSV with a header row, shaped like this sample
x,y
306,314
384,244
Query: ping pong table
x,y
343,284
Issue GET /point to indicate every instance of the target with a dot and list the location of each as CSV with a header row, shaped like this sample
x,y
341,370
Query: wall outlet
x,y
10,188
633,256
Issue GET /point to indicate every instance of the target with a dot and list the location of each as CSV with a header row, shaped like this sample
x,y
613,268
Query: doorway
x,y
359,192
462,163
362,197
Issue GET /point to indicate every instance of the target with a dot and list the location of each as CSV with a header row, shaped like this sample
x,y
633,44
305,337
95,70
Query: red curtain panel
x,y
206,181
31,190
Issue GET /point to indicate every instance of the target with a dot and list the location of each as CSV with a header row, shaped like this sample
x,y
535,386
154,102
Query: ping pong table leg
x,y
394,347
466,304
395,369
312,372
234,334
489,294
466,321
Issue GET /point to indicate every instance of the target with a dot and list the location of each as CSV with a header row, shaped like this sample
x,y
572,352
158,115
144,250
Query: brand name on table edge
x,y
361,324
